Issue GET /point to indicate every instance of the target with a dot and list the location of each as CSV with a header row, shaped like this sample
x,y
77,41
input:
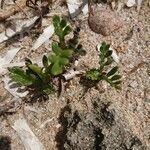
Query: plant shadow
x,y
87,85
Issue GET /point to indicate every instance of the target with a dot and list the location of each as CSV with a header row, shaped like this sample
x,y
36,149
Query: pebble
x,y
104,21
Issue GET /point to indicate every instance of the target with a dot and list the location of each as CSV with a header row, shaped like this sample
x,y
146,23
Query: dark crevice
x,y
107,116
69,122
99,137
103,114
61,136
5,143
76,119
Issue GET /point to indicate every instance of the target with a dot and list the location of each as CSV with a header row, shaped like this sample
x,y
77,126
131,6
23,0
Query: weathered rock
x,y
104,21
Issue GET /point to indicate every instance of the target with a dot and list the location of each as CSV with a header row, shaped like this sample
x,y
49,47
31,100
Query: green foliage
x,y
41,78
32,76
93,74
59,58
18,75
100,74
61,29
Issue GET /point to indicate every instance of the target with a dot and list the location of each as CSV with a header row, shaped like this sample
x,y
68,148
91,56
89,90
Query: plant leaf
x,y
48,89
45,61
109,53
67,53
36,69
56,21
117,82
116,77
117,87
28,61
104,48
19,76
67,30
56,49
93,74
109,61
63,23
63,61
112,71
56,69
53,58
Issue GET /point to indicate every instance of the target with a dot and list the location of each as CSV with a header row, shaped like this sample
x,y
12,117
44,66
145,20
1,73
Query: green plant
x,y
41,78
61,30
101,73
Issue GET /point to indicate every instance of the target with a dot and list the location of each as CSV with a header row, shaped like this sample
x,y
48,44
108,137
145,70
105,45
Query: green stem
x,y
62,42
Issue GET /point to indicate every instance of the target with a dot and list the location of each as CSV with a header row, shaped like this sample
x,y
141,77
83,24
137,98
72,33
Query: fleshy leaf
x,y
63,23
48,89
117,82
109,53
109,61
56,20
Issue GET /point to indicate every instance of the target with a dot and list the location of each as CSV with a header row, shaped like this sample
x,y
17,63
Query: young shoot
x,y
105,60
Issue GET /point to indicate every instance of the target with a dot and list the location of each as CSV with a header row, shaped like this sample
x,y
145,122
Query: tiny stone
x,y
58,126
104,21
134,84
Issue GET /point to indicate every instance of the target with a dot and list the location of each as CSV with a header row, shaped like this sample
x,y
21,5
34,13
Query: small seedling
x,y
61,30
99,74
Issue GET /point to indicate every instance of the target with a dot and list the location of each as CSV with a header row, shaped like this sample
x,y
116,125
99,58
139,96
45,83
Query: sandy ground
x,y
130,106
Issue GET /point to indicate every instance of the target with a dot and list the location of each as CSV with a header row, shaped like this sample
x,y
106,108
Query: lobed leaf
x,y
19,76
93,74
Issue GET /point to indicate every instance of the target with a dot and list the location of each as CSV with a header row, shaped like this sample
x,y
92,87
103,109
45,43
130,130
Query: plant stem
x,y
62,42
